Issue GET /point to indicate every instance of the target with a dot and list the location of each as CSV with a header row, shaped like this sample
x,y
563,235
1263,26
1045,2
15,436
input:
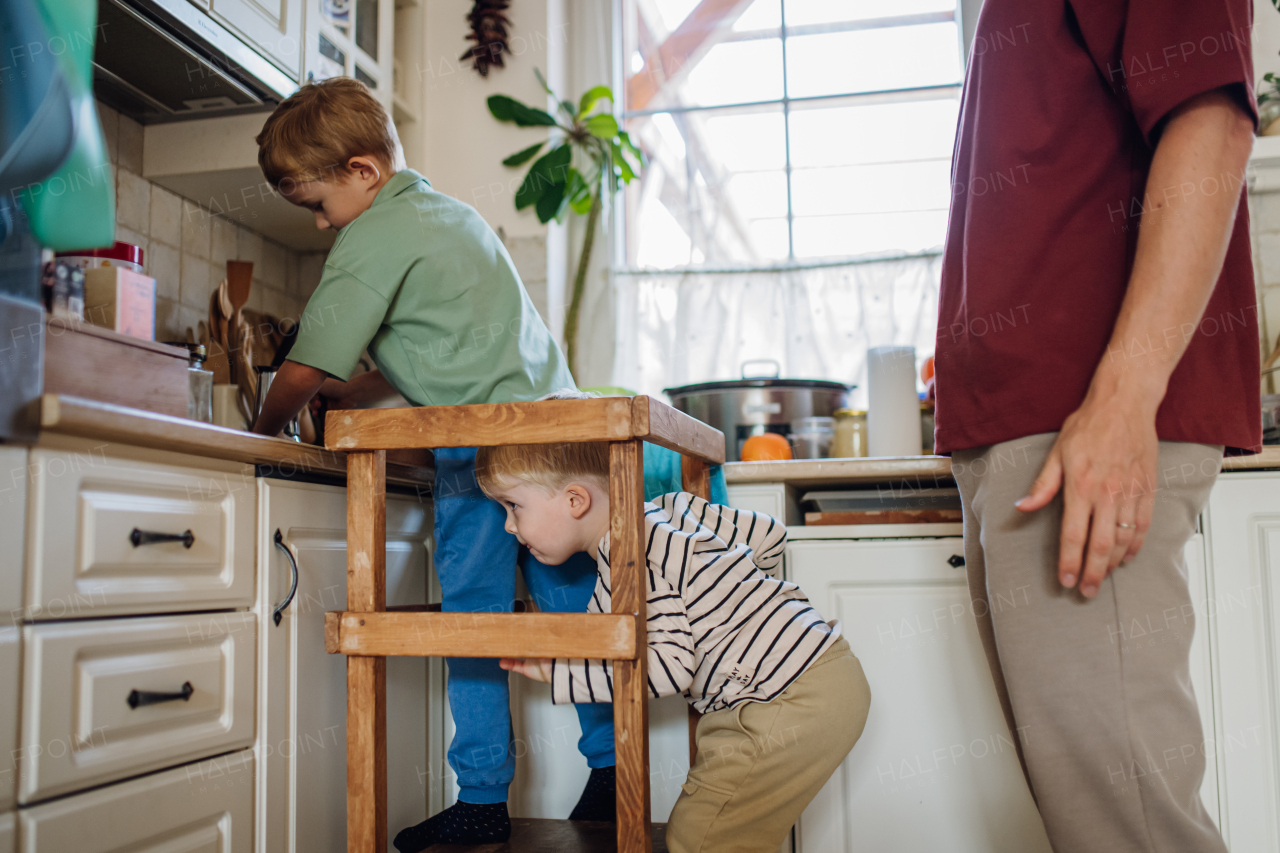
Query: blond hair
x,y
317,129
549,466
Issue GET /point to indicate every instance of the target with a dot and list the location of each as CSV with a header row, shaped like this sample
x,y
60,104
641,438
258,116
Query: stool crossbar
x,y
368,634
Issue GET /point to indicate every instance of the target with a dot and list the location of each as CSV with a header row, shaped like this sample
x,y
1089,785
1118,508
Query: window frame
x,y
629,9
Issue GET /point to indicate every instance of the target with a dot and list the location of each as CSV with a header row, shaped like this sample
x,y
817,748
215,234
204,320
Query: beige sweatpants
x,y
760,763
1099,691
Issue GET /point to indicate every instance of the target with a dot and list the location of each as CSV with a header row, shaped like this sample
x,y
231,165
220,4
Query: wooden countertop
x,y
919,471
76,416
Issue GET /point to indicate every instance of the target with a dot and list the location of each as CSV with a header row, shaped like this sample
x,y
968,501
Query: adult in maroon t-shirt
x,y
1097,350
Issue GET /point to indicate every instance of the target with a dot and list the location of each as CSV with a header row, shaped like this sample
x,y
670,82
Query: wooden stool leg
x,y
695,478
629,578
367,676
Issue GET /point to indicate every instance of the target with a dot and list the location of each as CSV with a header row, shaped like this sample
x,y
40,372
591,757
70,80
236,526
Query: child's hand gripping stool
x,y
741,645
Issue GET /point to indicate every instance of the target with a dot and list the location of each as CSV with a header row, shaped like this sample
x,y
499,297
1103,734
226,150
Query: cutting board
x,y
885,516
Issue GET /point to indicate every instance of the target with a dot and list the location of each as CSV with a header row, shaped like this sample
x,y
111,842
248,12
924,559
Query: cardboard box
x,y
121,300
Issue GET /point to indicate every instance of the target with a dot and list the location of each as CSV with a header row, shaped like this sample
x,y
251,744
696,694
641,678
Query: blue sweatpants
x,y
475,560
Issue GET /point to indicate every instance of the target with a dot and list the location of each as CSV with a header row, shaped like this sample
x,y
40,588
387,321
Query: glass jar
x,y
200,399
850,438
811,437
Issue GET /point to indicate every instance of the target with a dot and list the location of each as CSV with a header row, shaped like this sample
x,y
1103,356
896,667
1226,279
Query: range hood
x,y
166,60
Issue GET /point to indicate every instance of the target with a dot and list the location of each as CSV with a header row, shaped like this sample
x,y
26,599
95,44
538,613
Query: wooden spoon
x,y
217,331
239,281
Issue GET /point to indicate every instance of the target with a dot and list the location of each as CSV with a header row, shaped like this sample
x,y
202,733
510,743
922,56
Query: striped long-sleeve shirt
x,y
722,630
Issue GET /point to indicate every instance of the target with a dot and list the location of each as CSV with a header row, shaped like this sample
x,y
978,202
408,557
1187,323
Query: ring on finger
x,y
1126,526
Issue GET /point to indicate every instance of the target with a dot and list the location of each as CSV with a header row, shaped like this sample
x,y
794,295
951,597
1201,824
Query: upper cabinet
x,y
354,38
273,27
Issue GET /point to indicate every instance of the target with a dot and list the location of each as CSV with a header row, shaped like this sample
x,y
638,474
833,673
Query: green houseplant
x,y
587,160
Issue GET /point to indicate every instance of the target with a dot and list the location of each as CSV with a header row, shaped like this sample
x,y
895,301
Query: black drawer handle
x,y
147,537
955,561
293,588
138,698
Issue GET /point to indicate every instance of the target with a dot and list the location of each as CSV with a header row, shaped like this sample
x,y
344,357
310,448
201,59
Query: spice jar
x,y
850,439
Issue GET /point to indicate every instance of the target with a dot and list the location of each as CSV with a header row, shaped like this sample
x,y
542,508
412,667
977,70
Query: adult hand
x,y
539,669
1104,462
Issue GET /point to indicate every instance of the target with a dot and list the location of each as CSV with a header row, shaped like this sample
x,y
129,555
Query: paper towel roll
x,y
893,409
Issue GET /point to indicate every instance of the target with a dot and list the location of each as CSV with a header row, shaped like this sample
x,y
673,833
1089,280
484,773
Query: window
x,y
785,132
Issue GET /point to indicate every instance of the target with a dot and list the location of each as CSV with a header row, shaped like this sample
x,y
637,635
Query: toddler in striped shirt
x,y
784,698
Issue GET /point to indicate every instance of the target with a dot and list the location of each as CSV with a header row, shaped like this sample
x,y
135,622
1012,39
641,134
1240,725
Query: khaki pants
x,y
1099,691
760,763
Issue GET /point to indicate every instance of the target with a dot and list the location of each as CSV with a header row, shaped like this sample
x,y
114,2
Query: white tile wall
x,y
186,246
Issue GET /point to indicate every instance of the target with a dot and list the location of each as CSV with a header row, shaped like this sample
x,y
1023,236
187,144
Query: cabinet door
x,y
936,767
8,833
206,807
1244,615
272,27
10,702
302,744
1202,668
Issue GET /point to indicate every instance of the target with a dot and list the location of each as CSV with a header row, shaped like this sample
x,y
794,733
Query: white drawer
x,y
8,833
10,695
79,727
82,560
201,808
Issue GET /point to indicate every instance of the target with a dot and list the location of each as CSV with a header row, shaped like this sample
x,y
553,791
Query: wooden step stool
x,y
368,634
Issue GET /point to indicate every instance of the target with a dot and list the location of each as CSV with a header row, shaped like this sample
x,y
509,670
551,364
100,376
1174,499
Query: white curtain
x,y
816,322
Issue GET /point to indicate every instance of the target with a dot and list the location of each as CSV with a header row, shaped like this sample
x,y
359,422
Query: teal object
x,y
662,475
75,207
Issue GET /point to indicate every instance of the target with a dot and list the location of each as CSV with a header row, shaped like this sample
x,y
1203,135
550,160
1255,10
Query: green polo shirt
x,y
421,281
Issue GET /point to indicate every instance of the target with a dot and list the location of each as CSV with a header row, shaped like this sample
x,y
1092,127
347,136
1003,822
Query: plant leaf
x,y
578,191
509,109
550,169
620,160
522,157
603,126
628,145
537,72
591,97
551,203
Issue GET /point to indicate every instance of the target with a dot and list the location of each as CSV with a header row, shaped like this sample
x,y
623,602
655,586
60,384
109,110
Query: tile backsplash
x,y
186,246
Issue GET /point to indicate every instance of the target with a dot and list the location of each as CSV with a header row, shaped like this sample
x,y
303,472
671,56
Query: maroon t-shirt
x,y
1063,104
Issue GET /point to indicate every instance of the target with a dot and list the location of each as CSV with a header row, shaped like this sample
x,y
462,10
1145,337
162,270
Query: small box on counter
x,y
83,360
121,300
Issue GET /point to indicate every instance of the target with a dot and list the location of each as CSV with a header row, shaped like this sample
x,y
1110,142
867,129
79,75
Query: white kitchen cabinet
x,y
104,700
272,27
355,39
105,535
206,807
936,767
8,833
301,792
10,704
1243,605
550,772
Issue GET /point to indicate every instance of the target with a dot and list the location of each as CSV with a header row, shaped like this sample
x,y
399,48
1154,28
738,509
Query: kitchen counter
x,y
74,416
917,471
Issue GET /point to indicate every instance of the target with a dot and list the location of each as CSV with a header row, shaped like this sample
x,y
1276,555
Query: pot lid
x,y
758,382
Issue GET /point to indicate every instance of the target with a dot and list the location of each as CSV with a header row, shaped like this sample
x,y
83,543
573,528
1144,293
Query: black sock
x,y
461,823
599,800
